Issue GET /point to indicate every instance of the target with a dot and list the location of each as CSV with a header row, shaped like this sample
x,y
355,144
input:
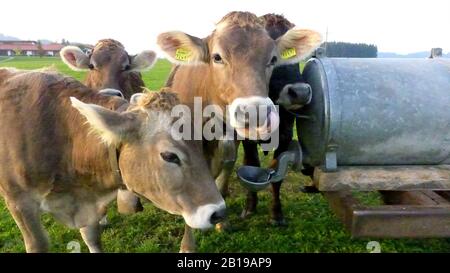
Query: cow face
x,y
109,63
171,173
241,56
286,85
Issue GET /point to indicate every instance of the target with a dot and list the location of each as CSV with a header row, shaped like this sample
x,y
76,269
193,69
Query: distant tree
x,y
350,50
40,49
65,42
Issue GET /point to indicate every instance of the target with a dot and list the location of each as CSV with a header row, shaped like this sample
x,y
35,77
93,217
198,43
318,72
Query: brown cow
x,y
288,90
111,67
52,158
232,67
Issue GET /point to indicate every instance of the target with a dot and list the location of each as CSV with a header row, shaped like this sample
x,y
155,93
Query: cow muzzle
x,y
111,92
295,96
254,118
206,216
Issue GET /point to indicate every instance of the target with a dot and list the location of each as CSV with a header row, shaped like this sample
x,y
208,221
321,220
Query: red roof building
x,y
28,48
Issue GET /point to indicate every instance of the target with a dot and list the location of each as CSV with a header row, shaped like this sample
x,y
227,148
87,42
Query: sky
x,y
399,26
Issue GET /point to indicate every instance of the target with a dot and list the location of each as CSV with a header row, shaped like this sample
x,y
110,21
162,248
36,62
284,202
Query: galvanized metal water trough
x,y
380,125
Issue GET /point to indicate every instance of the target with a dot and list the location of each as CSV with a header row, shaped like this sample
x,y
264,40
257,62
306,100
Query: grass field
x,y
312,227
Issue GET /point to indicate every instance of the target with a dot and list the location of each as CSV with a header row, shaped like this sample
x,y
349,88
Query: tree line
x,y
350,50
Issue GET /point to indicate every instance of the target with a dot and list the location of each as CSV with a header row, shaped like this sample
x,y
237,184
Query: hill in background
x,y
422,54
4,37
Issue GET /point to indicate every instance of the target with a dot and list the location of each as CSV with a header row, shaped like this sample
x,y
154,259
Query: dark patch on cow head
x,y
276,25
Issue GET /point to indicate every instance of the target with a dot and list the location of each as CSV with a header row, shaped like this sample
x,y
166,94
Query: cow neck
x,y
114,154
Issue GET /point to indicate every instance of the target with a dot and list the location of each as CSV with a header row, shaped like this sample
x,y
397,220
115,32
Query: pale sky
x,y
393,25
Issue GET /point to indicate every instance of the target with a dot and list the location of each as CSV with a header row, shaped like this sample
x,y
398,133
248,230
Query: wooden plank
x,y
427,198
392,221
402,222
393,178
342,203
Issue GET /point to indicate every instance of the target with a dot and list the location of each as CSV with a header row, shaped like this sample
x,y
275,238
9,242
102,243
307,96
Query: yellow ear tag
x,y
182,54
288,53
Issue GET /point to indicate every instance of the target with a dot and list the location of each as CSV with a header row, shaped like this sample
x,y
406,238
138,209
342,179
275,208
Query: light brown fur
x,y
241,19
49,162
109,65
249,55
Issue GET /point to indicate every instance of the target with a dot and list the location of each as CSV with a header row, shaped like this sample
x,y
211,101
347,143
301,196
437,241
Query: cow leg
x,y
223,163
226,155
286,129
104,221
251,158
27,216
128,202
222,184
250,204
277,217
92,237
276,212
188,241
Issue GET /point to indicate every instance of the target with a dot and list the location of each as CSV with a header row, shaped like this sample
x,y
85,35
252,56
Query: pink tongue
x,y
264,132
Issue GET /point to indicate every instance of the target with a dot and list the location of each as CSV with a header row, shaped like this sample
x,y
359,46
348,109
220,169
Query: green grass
x,y
312,226
154,79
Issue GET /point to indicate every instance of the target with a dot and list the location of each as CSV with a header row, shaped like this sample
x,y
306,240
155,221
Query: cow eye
x,y
127,67
171,158
217,59
273,61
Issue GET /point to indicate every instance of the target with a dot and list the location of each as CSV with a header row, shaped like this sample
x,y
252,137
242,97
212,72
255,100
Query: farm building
x,y
28,48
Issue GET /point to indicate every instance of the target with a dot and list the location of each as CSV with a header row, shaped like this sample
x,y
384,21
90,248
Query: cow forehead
x,y
243,42
157,122
108,43
102,55
106,48
241,19
157,110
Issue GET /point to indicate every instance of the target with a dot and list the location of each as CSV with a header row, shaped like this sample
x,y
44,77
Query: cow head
x,y
171,173
241,56
109,63
286,86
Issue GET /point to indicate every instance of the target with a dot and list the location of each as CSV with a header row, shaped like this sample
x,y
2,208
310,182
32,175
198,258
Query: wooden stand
x,y
417,200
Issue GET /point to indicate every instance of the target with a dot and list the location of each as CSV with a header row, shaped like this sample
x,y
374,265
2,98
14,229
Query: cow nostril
x,y
218,216
292,93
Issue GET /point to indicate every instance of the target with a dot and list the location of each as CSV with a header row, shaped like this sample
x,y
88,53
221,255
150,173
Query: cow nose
x,y
300,94
292,93
111,92
253,117
218,216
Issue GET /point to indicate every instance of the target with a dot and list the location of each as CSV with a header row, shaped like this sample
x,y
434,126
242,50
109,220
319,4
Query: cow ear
x,y
143,61
182,48
297,44
75,58
112,127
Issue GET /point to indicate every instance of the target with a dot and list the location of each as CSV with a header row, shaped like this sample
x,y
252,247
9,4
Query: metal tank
x,y
376,112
